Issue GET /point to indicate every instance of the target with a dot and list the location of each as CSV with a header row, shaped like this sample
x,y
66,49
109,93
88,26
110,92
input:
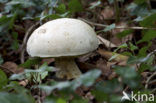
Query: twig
x,y
149,4
154,90
116,27
149,78
154,74
117,11
29,31
152,82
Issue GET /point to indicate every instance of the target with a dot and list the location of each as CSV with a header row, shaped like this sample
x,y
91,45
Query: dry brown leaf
x,y
107,13
108,55
106,42
48,60
23,82
13,67
114,39
85,66
113,75
101,64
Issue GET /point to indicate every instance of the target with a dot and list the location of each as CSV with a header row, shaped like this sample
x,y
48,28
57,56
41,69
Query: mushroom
x,y
64,39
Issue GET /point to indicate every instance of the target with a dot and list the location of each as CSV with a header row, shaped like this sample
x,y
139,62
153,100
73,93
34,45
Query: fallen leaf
x,y
102,65
48,60
107,13
13,67
23,82
114,39
85,66
108,55
106,42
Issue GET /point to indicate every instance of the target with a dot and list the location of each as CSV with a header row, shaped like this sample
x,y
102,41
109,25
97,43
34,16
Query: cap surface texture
x,y
62,37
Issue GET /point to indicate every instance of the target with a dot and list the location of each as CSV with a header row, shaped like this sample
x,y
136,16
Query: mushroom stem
x,y
68,68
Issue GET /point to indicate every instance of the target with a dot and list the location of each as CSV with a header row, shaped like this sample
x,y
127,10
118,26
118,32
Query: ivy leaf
x,y
129,76
148,35
86,79
15,98
37,75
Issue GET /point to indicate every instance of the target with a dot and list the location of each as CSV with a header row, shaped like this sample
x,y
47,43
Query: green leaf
x,y
132,46
129,76
109,87
138,10
143,67
110,27
74,6
15,44
148,35
143,50
61,9
86,79
30,62
36,75
149,21
121,46
15,98
55,85
4,23
124,33
3,79
100,95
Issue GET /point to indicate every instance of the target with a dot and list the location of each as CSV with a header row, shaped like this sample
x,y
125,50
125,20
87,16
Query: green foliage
x,y
19,94
149,35
105,90
15,98
3,79
129,76
34,75
149,21
15,44
20,11
124,33
85,80
30,62
67,88
74,6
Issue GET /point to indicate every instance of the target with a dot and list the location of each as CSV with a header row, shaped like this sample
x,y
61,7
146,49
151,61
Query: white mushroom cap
x,y
62,37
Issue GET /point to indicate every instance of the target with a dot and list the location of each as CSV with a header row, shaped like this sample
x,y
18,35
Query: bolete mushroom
x,y
64,39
